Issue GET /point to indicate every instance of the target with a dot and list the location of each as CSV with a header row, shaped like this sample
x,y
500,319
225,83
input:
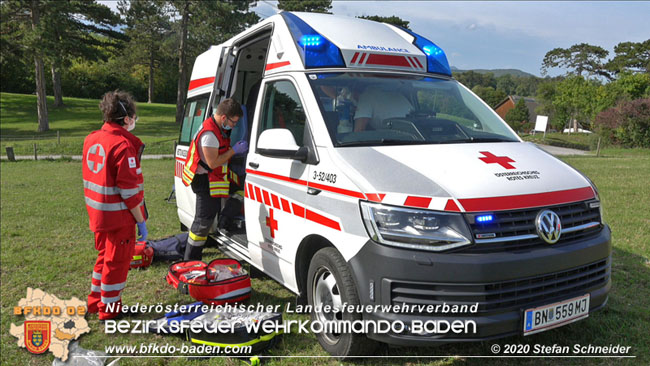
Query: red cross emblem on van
x,y
490,158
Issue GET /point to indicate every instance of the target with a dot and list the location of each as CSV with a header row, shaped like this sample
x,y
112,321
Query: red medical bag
x,y
219,282
142,255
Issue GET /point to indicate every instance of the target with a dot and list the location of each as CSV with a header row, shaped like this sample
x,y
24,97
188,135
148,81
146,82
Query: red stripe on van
x,y
416,201
387,60
200,82
285,205
320,219
275,200
452,206
418,61
276,65
298,210
526,200
363,57
251,193
354,58
376,197
345,192
267,200
258,194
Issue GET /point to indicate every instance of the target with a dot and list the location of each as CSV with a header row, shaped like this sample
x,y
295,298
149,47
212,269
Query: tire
x,y
329,281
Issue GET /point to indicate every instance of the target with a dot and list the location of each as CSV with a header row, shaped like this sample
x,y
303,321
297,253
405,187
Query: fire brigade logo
x,y
96,158
37,336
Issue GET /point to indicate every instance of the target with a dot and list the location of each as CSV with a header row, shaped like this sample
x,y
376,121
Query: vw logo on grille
x,y
548,226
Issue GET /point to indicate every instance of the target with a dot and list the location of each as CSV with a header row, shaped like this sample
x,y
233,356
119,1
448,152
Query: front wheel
x,y
329,283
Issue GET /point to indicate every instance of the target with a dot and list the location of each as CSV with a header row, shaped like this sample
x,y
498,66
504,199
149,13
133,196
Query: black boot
x,y
193,252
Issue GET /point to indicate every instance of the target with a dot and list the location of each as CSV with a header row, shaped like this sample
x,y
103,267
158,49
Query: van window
x,y
367,109
283,109
193,118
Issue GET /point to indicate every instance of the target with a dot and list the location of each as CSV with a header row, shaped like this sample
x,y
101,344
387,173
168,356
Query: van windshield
x,y
366,109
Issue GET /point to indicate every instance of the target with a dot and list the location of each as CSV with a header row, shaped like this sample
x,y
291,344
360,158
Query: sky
x,y
505,34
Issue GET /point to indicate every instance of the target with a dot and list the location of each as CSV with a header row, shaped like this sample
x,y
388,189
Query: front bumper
x,y
504,284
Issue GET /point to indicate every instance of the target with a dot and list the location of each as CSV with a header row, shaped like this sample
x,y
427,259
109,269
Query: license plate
x,y
555,315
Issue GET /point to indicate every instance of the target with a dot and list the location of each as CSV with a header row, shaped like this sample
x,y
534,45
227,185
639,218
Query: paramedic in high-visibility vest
x,y
206,170
113,189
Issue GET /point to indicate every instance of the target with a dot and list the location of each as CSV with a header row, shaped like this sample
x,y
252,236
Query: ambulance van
x,y
374,178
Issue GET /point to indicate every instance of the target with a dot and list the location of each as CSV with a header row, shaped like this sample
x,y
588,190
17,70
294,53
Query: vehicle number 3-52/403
x,y
324,177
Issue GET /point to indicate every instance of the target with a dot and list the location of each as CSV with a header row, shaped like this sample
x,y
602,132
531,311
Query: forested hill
x,y
495,72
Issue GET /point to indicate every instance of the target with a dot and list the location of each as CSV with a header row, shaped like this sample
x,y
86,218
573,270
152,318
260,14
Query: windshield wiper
x,y
477,140
381,142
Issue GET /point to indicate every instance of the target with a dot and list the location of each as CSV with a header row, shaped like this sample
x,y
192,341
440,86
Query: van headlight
x,y
413,228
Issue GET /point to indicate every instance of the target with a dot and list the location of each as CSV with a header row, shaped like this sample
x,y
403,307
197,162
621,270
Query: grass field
x,y
581,141
46,244
19,121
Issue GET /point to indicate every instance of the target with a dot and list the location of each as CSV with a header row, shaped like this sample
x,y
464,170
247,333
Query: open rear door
x,y
222,77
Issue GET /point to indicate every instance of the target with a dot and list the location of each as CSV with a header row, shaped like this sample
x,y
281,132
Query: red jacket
x,y
218,177
112,177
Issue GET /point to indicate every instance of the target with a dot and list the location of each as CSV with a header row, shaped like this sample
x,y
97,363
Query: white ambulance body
x,y
374,178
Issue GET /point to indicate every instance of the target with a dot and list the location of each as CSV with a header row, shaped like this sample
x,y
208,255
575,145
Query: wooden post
x,y
35,154
598,147
10,154
58,138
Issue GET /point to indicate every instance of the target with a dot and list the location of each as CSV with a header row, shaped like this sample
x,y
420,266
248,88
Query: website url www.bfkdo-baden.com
x,y
150,349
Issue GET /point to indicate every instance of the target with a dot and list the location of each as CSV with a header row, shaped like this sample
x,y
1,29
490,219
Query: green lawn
x,y
46,244
75,120
581,141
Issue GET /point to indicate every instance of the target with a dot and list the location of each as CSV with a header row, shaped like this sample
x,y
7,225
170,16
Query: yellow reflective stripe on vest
x,y
263,338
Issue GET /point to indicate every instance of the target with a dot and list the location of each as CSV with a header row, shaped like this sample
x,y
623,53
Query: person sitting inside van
x,y
375,105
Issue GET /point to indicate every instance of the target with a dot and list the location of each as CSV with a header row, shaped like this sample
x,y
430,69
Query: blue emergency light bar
x,y
436,58
483,219
315,50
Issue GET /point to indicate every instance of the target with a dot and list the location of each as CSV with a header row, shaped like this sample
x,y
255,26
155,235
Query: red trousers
x,y
110,271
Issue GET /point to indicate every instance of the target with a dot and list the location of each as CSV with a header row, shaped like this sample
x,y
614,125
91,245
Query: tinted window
x,y
283,109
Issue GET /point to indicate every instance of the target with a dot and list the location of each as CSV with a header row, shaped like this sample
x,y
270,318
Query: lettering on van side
x,y
324,177
519,175
382,48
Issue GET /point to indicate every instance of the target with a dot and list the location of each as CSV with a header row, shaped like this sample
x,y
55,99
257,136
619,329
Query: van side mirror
x,y
279,143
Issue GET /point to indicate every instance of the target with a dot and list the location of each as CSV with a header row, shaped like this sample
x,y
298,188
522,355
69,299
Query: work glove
x,y
240,147
142,231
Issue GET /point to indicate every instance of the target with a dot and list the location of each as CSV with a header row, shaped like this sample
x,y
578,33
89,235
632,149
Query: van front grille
x,y
515,230
506,295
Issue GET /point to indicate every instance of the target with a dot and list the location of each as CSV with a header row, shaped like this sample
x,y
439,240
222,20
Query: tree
x,y
394,20
148,24
27,28
76,29
577,98
518,117
311,6
491,96
578,59
631,57
472,78
200,25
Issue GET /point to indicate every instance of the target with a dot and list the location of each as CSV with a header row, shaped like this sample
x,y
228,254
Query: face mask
x,y
227,127
131,126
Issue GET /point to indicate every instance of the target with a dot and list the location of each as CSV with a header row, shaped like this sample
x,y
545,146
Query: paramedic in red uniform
x,y
113,189
206,170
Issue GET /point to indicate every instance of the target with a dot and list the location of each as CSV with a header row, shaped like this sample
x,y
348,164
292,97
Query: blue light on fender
x,y
315,50
436,58
484,219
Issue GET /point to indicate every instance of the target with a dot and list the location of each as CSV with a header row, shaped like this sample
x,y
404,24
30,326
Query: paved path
x,y
554,150
78,157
